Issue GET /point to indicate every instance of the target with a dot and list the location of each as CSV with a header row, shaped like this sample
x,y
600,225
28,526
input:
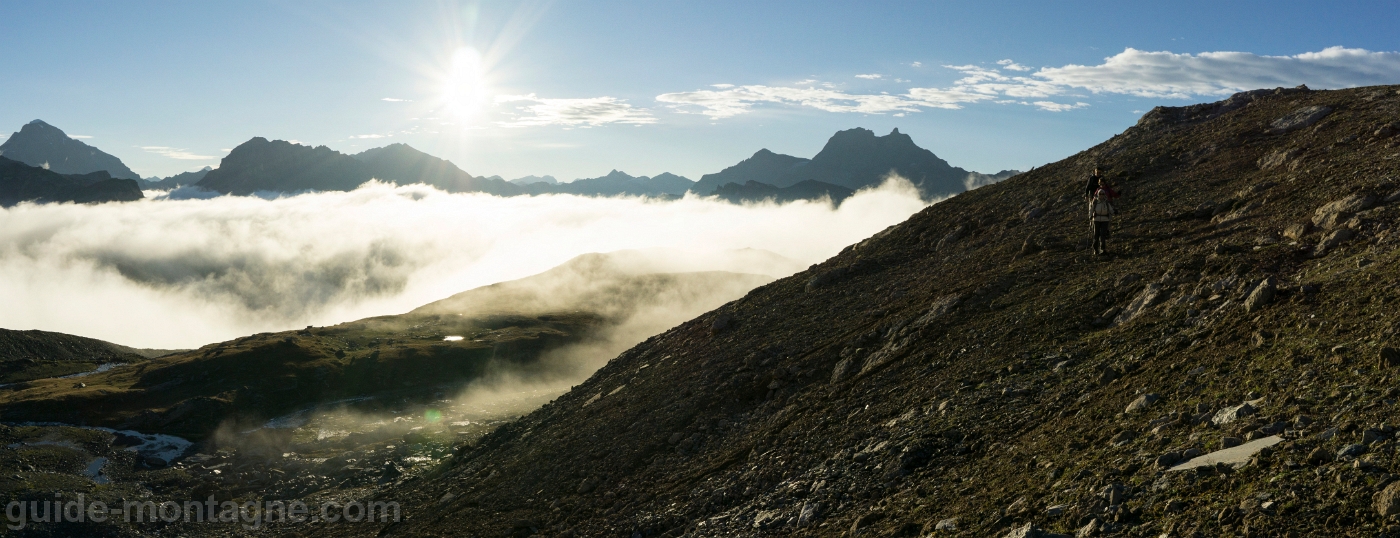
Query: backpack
x,y
1100,207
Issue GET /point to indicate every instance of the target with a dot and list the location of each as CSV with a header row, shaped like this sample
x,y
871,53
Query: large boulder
x,y
1335,214
1262,295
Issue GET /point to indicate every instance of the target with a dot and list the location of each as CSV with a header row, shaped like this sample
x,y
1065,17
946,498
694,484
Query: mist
x,y
172,273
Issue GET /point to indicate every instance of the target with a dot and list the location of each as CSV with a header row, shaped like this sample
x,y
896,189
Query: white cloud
x,y
588,112
739,100
1171,75
721,86
916,64
370,136
177,153
1058,107
871,76
1012,66
394,100
1131,72
79,136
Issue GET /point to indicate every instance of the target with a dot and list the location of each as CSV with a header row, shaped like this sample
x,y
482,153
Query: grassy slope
x,y
729,424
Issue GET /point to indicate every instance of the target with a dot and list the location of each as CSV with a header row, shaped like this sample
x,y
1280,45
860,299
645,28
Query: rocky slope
x,y
975,371
353,407
45,146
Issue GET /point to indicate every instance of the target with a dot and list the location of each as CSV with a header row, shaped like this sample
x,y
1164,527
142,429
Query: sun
x,y
465,94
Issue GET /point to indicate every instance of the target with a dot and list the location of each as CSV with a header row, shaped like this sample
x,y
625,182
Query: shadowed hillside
x,y
976,371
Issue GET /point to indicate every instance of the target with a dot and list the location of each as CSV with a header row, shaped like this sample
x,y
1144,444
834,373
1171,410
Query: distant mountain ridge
x,y
281,166
854,159
755,191
851,160
20,182
45,146
617,183
533,179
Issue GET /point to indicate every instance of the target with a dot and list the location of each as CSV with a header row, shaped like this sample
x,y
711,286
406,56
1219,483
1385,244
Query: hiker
x,y
1101,211
1093,184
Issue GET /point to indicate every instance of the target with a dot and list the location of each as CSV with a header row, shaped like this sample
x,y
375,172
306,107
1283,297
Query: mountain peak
x,y
37,143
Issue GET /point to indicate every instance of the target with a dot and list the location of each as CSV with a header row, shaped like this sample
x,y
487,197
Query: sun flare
x,y
465,93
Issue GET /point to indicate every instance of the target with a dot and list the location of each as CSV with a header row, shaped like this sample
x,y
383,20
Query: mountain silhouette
x,y
854,159
45,146
763,167
281,166
20,182
183,178
754,191
619,183
402,164
532,179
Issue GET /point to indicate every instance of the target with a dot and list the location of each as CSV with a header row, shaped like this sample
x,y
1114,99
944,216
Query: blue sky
x,y
575,89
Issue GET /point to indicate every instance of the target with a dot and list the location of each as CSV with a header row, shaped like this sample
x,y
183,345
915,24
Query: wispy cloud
x,y
1171,75
370,136
739,100
871,76
916,64
1012,66
177,153
1131,72
396,100
79,136
1058,107
532,111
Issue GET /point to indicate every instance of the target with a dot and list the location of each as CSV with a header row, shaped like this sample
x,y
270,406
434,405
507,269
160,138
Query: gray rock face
x,y
1238,455
1297,231
1030,531
1277,158
1332,241
1335,214
808,514
1231,414
1388,500
1140,304
1141,403
1299,119
950,524
1262,295
1351,451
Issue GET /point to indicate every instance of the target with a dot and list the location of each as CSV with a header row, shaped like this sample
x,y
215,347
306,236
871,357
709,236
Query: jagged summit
x,y
39,144
853,159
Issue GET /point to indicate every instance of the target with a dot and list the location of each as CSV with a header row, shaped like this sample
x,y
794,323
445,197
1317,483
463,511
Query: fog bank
x,y
183,273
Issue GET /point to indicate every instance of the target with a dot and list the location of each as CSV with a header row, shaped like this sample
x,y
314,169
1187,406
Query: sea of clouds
x,y
168,273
